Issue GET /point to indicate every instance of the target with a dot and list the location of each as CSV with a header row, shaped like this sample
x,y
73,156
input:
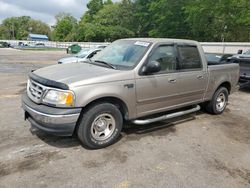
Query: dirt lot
x,y
196,151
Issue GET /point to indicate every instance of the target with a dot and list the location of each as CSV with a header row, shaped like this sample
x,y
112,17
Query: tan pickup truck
x,y
142,80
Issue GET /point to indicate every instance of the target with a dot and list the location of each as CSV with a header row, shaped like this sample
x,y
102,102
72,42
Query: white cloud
x,y
44,10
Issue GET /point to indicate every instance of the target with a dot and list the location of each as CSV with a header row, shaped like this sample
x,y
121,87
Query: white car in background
x,y
83,55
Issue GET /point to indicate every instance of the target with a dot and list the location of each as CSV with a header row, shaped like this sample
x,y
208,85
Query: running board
x,y
168,116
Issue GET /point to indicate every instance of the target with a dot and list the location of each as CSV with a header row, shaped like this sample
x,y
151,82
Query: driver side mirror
x,y
91,55
240,51
151,67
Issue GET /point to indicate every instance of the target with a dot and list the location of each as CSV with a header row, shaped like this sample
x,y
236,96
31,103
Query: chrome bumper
x,y
57,121
51,119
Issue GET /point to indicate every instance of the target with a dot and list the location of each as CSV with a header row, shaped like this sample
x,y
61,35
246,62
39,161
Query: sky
x,y
44,10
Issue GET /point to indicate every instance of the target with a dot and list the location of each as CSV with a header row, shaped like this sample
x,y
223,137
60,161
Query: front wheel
x,y
100,126
219,101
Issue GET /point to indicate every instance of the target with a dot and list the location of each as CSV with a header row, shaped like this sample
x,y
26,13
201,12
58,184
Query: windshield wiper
x,y
105,63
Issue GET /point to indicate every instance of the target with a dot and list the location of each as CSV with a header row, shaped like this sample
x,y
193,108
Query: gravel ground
x,y
198,150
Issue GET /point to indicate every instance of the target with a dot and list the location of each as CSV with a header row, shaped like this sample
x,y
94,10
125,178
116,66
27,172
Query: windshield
x,y
247,52
123,54
82,53
213,57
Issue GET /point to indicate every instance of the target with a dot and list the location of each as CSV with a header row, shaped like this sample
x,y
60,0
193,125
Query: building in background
x,y
37,37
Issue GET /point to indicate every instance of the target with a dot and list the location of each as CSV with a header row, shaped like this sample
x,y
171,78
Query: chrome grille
x,y
35,91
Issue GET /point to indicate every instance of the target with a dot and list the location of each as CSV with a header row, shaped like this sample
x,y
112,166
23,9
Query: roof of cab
x,y
167,40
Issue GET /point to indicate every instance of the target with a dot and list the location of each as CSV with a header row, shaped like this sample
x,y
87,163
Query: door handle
x,y
172,80
199,77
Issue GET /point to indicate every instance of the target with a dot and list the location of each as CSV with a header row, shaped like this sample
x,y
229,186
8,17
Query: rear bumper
x,y
52,120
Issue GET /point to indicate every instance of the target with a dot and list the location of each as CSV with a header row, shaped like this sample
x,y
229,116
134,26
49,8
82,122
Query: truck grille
x,y
35,91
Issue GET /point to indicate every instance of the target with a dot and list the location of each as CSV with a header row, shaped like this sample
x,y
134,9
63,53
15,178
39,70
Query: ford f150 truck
x,y
142,80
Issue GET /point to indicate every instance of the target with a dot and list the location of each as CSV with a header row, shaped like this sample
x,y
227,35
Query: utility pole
x,y
223,38
13,31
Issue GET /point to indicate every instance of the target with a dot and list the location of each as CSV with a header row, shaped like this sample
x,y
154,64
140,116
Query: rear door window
x,y
189,58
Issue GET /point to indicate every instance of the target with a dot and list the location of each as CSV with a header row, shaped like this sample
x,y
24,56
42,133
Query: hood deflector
x,y
47,82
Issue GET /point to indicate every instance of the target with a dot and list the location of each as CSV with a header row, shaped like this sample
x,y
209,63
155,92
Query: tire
x,y
100,126
219,101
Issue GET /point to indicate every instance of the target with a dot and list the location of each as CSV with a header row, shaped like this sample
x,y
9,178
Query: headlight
x,y
59,98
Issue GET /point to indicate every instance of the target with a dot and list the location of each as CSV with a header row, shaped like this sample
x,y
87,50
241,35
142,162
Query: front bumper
x,y
57,121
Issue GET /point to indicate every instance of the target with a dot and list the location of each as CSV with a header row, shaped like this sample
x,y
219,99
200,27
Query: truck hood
x,y
77,74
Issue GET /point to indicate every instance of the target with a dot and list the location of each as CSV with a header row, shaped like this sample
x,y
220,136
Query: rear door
x,y
192,74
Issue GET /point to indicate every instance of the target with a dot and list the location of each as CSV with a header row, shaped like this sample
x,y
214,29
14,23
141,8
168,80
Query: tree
x,y
111,22
19,27
108,2
5,33
36,26
212,20
168,19
142,17
94,6
105,20
65,28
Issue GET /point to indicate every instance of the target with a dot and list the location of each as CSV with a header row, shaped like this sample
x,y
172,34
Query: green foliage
x,y
65,28
108,2
143,17
168,19
105,20
111,22
213,20
19,28
94,6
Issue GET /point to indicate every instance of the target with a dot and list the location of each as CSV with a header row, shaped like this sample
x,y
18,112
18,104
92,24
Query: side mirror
x,y
151,67
240,51
91,55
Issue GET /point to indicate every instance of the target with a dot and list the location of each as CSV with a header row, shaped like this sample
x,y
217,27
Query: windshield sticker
x,y
146,44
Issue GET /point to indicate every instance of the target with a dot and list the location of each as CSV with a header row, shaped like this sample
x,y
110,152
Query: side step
x,y
167,116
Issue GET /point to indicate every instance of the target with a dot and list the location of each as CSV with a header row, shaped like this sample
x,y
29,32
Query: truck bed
x,y
218,72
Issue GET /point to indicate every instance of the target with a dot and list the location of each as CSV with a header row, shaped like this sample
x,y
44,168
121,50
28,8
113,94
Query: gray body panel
x,y
148,94
219,74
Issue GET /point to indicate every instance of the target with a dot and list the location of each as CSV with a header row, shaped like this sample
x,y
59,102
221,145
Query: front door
x,y
159,91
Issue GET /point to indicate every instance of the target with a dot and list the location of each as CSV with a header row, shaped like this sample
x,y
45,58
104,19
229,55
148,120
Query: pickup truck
x,y
141,80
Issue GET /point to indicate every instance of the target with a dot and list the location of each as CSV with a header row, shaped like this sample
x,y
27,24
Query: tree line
x,y
202,20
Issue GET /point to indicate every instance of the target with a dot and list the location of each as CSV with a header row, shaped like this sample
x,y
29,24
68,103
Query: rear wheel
x,y
100,126
219,101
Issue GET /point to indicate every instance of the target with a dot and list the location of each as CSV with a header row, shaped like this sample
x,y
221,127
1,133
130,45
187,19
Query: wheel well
x,y
226,85
113,100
